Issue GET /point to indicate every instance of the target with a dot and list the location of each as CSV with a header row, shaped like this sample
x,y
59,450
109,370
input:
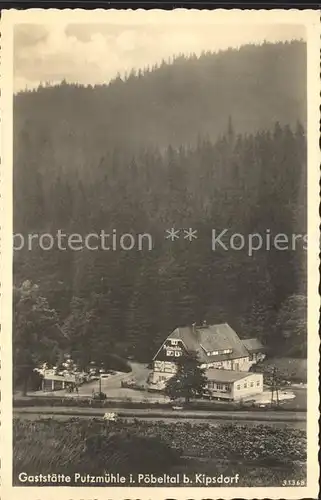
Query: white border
x,y
311,20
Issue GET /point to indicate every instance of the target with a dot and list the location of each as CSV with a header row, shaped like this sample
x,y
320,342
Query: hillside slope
x,y
170,104
216,142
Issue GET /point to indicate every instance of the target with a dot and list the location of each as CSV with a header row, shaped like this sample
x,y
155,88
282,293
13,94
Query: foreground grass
x,y
262,455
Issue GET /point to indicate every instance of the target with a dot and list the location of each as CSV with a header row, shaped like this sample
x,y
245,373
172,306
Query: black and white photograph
x,y
164,209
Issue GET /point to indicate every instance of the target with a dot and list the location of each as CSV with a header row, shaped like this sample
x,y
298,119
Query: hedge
x,y
94,446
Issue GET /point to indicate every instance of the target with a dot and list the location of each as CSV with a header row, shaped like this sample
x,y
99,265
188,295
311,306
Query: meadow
x,y
262,455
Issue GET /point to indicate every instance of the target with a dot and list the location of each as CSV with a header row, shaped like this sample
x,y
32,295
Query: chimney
x,y
204,323
194,327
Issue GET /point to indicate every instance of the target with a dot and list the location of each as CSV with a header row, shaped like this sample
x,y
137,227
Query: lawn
x,y
291,369
262,455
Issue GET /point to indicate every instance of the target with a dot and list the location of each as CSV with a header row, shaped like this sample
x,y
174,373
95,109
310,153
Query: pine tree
x,y
37,337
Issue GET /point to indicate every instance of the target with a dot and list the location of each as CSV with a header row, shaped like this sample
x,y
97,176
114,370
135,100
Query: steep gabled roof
x,y
253,345
203,339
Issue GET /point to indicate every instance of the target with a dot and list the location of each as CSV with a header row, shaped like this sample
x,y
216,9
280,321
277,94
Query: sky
x,y
95,53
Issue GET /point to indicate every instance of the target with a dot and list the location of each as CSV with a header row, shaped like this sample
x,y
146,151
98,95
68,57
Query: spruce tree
x,y
189,381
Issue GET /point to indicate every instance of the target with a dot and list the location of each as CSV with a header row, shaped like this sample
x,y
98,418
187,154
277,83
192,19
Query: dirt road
x,y
279,418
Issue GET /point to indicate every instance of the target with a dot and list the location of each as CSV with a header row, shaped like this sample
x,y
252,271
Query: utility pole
x,y
275,388
100,372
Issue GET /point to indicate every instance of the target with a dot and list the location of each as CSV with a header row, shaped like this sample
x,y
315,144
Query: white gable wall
x,y
248,386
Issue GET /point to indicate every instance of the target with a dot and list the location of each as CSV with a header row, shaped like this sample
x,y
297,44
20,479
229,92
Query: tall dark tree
x,y
37,337
190,380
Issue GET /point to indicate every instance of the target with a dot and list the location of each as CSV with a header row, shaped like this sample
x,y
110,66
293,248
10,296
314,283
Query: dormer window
x,y
216,353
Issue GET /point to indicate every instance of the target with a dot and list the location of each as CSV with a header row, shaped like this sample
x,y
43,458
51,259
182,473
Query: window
x,y
169,353
214,353
227,351
174,342
245,385
238,387
258,383
219,387
252,384
177,353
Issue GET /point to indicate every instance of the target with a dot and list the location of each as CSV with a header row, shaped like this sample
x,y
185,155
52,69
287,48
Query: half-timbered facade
x,y
216,346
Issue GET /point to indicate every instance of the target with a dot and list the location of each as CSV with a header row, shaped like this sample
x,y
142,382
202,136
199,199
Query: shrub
x,y
101,396
93,446
115,362
120,451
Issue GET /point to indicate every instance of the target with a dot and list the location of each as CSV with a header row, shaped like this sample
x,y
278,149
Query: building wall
x,y
162,372
249,386
256,357
225,365
244,388
52,385
170,350
220,390
239,364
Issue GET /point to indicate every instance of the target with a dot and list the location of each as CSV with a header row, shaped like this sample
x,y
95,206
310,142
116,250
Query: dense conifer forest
x,y
210,142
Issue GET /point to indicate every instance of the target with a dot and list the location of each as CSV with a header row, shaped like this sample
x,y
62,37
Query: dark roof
x,y
253,345
200,339
217,375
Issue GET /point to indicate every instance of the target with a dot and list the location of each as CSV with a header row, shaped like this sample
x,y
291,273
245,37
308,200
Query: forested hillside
x,y
209,143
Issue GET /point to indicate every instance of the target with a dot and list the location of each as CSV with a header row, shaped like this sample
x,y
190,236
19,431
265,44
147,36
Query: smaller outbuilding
x,y
233,385
53,382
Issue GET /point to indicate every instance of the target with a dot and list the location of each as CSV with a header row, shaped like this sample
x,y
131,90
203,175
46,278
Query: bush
x,y
115,362
34,381
101,396
122,449
74,402
92,447
287,369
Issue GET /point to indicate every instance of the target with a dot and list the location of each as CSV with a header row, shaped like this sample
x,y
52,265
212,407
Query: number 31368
x,y
293,482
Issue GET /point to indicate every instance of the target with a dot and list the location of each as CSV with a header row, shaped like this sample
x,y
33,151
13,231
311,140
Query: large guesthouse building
x,y
218,347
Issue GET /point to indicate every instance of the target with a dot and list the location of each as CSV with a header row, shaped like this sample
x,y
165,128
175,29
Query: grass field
x,y
291,369
261,455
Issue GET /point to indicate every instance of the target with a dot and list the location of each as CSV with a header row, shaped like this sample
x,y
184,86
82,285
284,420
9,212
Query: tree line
x,y
72,173
127,302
